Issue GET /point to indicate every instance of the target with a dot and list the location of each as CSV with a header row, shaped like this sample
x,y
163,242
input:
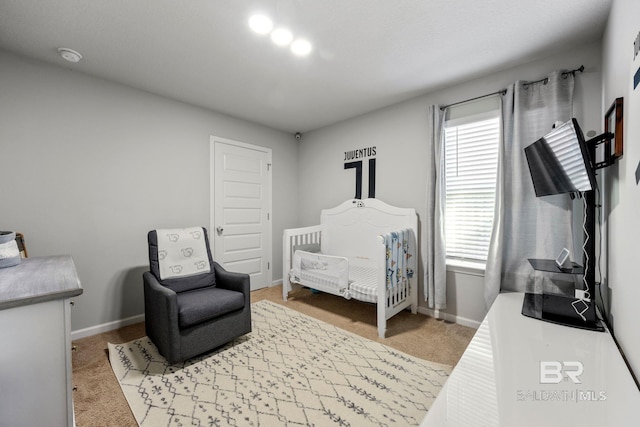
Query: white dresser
x,y
519,371
35,332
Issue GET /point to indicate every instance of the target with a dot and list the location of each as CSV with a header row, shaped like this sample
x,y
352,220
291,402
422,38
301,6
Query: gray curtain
x,y
433,249
526,226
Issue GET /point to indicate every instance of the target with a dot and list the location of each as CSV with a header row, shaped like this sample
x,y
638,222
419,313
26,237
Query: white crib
x,y
351,236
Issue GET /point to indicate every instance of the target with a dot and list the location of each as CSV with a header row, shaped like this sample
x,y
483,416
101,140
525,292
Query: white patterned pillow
x,y
182,252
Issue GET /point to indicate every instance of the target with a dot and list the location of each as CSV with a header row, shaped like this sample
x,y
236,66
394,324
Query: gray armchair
x,y
192,304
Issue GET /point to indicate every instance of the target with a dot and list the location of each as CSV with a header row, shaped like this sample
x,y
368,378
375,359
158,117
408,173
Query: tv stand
x,y
559,309
550,266
565,310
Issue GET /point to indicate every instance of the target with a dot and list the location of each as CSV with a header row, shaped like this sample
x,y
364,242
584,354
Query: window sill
x,y
466,267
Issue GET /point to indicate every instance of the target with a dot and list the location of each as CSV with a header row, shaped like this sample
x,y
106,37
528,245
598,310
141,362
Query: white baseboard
x,y
106,327
110,326
438,314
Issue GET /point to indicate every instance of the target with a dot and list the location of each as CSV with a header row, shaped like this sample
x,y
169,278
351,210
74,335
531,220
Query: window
x,y
472,136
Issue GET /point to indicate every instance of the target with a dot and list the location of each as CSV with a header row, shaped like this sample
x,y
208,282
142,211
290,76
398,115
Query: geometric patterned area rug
x,y
291,370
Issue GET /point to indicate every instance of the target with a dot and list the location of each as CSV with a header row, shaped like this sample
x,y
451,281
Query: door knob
x,y
219,230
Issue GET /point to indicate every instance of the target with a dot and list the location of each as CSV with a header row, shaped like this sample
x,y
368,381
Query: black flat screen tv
x,y
559,162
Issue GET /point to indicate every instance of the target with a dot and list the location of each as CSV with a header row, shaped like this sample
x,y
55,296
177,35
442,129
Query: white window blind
x,y
471,160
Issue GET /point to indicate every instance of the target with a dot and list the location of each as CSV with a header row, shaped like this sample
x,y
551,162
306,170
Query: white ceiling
x,y
367,53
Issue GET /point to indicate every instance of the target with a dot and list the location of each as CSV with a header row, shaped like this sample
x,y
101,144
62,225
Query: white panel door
x,y
241,208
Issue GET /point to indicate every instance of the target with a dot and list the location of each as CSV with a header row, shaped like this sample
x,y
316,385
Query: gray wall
x,y
88,167
95,165
399,135
621,193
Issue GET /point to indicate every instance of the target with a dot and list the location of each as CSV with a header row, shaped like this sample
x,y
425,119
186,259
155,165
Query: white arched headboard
x,y
351,229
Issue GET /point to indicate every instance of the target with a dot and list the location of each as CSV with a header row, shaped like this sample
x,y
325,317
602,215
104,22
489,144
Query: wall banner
x,y
351,163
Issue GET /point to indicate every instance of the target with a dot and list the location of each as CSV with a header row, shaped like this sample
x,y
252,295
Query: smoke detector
x,y
69,54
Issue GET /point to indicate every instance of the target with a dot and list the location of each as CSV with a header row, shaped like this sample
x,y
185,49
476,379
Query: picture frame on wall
x,y
613,125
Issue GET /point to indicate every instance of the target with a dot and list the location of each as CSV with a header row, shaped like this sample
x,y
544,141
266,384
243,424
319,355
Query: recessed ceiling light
x,y
69,54
261,24
281,36
301,47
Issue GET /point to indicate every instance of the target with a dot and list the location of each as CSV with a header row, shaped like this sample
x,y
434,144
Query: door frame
x,y
212,196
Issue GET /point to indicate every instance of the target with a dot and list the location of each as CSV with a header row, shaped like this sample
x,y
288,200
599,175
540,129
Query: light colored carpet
x,y
291,370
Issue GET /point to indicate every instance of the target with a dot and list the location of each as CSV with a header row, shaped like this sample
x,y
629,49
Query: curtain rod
x,y
500,92
564,74
503,91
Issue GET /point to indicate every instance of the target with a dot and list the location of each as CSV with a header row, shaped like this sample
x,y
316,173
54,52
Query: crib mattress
x,y
362,283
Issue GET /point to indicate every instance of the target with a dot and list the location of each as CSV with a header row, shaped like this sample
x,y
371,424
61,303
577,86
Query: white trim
x,y
480,117
474,110
106,327
466,267
438,314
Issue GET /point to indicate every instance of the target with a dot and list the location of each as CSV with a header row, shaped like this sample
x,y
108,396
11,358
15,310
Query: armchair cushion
x,y
182,252
199,305
180,284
